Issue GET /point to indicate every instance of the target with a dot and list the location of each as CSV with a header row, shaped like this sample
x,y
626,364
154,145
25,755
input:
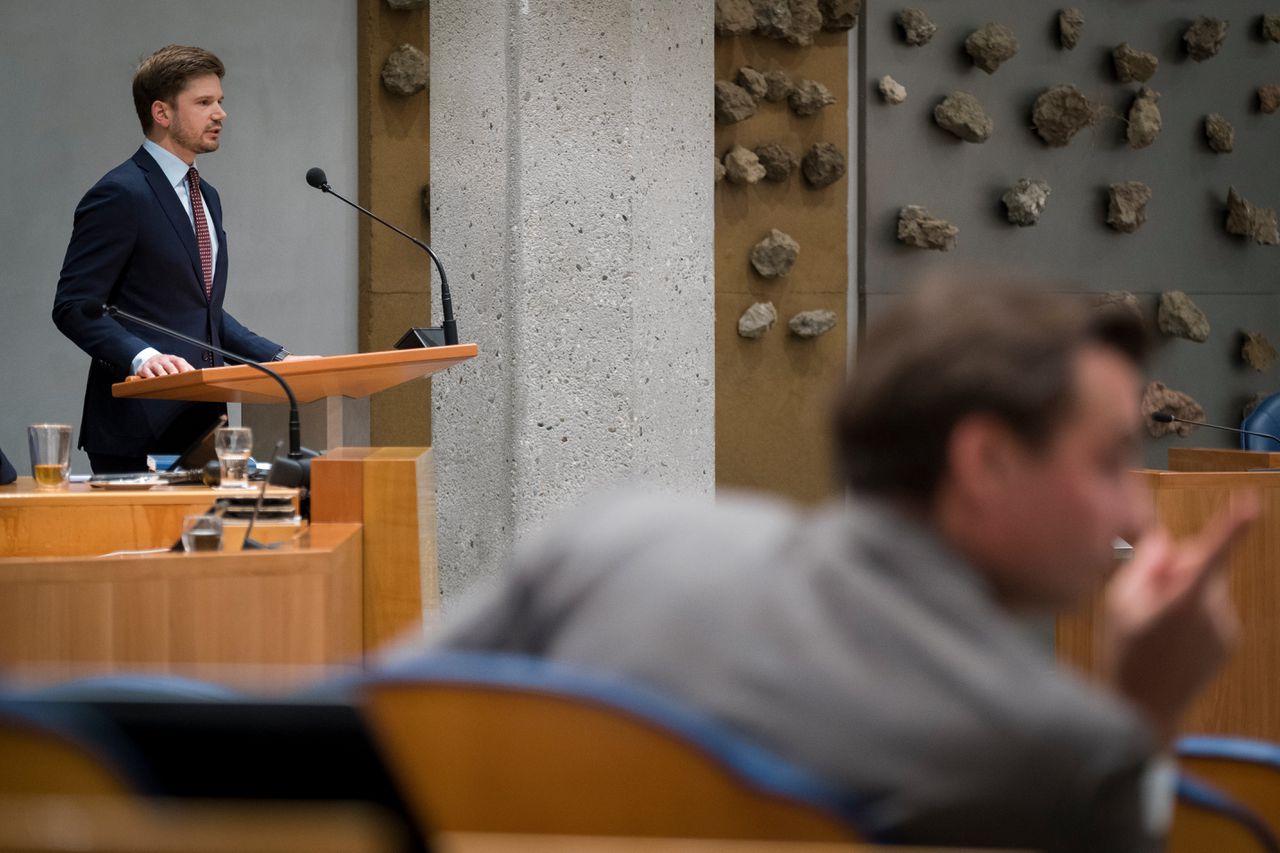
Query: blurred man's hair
x,y
163,74
950,349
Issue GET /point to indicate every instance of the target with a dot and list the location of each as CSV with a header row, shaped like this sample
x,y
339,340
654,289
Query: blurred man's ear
x,y
983,459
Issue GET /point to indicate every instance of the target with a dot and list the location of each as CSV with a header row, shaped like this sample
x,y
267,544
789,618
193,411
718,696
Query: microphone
x,y
417,337
300,471
1166,418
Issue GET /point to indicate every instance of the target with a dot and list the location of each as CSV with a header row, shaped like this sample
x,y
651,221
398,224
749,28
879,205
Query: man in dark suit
x,y
7,474
148,238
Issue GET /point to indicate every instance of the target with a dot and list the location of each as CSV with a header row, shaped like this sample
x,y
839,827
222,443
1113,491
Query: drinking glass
x,y
201,533
234,444
50,454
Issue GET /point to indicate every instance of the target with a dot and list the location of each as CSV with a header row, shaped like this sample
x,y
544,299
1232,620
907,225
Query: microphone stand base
x,y
420,338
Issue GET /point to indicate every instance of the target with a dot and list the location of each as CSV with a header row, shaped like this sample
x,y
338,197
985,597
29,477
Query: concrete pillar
x,y
571,151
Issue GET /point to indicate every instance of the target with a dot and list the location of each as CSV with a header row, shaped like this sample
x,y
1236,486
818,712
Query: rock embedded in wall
x,y
735,17
1204,38
840,14
733,103
1062,111
775,256
1269,27
1144,119
1119,300
742,166
822,165
892,91
991,45
961,114
1219,132
1133,65
752,81
917,29
808,97
773,18
920,230
1070,27
1269,97
720,171
1256,351
806,22
1127,210
778,161
1179,317
407,5
1158,397
406,71
812,324
1245,220
757,320
779,85
1026,200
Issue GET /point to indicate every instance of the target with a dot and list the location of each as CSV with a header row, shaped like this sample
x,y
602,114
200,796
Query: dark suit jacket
x,y
7,474
132,245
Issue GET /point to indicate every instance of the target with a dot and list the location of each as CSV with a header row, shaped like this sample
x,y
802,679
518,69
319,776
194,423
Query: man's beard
x,y
191,141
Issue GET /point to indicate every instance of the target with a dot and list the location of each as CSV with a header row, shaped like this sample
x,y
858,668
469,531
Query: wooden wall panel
x,y
773,394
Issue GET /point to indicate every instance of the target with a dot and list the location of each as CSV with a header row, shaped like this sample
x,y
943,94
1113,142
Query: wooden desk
x,y
1244,700
1220,459
83,521
299,605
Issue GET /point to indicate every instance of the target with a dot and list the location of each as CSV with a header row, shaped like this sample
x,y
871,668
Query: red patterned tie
x,y
202,232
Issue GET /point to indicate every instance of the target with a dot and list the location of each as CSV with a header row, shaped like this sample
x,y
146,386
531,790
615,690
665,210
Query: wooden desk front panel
x,y
1244,699
296,606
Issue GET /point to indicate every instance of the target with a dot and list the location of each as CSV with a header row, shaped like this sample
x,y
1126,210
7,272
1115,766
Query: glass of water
x,y
201,533
234,444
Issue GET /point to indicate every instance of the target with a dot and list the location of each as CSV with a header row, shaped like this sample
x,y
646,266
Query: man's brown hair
x,y
951,349
163,74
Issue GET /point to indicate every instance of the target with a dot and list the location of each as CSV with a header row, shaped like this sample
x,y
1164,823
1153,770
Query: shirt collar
x,y
171,164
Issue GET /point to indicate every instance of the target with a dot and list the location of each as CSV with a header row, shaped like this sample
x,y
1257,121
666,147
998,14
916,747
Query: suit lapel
x,y
168,200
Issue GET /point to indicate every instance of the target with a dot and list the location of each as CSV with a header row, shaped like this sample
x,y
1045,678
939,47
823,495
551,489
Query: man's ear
x,y
161,114
982,453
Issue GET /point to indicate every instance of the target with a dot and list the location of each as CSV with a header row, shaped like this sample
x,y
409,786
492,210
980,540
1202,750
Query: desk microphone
x,y
1166,418
417,337
299,473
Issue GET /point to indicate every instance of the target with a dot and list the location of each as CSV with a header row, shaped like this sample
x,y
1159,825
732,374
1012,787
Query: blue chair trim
x,y
1230,748
1200,793
752,763
134,687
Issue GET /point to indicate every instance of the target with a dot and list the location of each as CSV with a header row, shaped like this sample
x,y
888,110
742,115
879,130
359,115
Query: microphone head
x,y
317,178
1162,417
92,310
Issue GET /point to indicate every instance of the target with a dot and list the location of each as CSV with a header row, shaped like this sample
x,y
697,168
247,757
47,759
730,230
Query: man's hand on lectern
x,y
163,365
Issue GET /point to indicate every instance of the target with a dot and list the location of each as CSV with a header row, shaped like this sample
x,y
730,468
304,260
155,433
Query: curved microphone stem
x,y
295,428
446,298
1166,418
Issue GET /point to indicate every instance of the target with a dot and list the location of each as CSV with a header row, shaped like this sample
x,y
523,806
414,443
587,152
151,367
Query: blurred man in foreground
x,y
987,439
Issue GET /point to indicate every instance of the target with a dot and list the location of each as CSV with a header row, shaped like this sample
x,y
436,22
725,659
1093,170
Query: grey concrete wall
x,y
68,118
1182,246
571,195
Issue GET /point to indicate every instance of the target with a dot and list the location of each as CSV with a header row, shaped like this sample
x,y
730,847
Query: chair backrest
x,y
498,743
51,755
1264,418
1248,770
1206,819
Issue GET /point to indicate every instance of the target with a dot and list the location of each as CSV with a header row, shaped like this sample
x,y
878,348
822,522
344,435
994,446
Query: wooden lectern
x,y
361,576
1245,699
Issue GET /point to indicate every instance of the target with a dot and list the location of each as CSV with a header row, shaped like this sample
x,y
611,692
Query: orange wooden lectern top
x,y
356,375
